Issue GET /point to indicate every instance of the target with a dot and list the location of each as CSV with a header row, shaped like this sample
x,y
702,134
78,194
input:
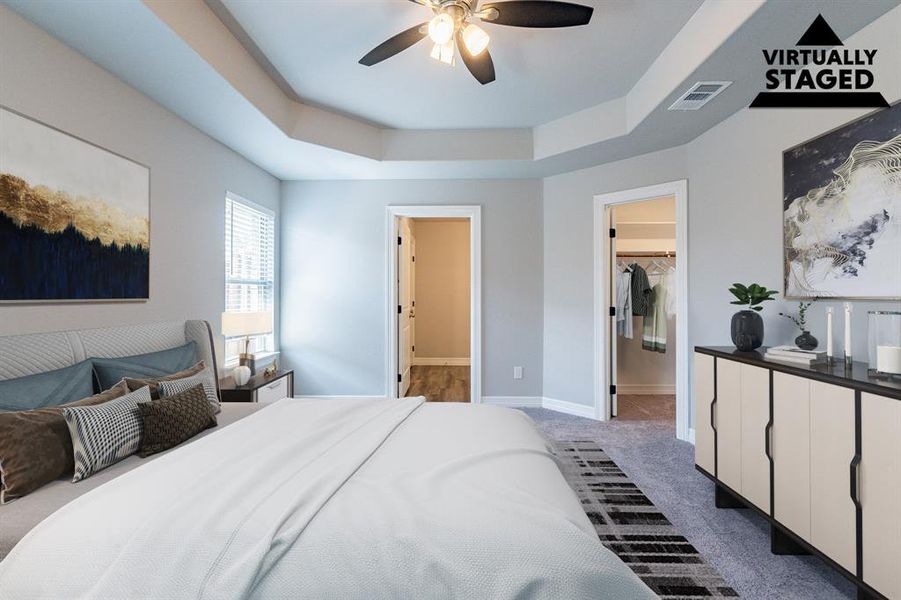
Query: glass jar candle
x,y
884,342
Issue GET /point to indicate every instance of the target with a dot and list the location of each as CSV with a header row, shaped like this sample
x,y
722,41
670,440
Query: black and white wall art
x,y
74,218
842,211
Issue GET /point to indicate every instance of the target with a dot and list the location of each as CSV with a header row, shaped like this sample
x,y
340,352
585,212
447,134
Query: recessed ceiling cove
x,y
542,74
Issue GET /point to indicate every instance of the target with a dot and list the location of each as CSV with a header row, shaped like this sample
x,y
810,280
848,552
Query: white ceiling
x,y
542,75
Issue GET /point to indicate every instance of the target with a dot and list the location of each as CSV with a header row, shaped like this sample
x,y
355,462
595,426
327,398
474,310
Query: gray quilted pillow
x,y
204,378
106,433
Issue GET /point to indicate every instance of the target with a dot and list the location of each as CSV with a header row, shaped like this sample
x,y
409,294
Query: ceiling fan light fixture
x,y
442,28
475,38
445,53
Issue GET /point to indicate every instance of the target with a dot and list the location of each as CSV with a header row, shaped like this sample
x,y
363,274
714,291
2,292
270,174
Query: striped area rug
x,y
631,526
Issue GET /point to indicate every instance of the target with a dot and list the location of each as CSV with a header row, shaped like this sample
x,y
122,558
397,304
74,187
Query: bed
x,y
350,498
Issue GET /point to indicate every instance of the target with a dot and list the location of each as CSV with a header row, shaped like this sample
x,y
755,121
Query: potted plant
x,y
805,341
747,326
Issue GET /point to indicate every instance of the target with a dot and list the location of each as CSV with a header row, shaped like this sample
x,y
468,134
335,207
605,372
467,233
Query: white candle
x,y
888,359
847,330
829,312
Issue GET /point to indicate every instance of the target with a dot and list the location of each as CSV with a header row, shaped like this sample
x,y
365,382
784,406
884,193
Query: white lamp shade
x,y
246,323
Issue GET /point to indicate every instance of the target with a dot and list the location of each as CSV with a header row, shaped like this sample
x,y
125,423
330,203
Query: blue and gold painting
x,y
842,211
74,218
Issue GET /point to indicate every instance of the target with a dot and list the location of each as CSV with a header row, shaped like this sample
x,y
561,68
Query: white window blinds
x,y
249,267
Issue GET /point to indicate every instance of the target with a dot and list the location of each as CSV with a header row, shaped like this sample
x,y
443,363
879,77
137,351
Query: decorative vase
x,y
805,341
241,375
747,330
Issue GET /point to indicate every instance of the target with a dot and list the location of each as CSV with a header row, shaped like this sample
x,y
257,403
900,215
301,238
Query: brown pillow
x,y
36,447
172,420
153,383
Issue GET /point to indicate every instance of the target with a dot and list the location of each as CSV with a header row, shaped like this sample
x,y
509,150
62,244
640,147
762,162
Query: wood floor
x,y
440,384
647,408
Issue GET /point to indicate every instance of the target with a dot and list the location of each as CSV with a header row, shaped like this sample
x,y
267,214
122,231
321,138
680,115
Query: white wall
x,y
334,280
734,173
189,176
442,288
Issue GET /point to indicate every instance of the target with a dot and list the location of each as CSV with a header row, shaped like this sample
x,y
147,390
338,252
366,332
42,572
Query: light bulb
x,y
444,53
475,38
441,28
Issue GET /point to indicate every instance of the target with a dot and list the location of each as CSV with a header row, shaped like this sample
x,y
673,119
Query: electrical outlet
x,y
517,372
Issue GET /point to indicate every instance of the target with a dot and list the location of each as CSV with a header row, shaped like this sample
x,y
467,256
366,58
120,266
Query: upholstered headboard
x,y
22,355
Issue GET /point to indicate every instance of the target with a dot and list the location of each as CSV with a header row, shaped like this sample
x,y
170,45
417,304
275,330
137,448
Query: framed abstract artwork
x,y
74,218
842,211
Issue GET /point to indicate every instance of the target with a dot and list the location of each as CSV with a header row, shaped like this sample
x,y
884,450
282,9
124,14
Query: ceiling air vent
x,y
699,94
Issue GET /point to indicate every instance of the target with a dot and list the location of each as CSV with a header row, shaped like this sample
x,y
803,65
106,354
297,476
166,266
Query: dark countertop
x,y
857,377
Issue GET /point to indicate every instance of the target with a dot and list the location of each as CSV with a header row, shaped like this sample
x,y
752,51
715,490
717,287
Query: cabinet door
x,y
833,516
880,493
703,399
728,423
755,414
791,452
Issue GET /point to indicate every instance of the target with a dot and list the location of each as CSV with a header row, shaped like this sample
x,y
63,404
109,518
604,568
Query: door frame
x,y
474,215
602,289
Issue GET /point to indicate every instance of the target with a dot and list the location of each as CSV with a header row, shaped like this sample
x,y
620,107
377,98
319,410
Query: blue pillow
x,y
47,389
110,371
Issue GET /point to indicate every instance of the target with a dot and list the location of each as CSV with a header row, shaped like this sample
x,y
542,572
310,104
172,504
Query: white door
x,y
728,423
705,449
790,448
405,306
611,322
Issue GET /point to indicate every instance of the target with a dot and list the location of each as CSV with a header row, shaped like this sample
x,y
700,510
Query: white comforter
x,y
331,499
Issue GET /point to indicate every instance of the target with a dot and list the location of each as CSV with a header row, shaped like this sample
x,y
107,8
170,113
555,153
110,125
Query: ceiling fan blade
x,y
538,13
392,46
481,66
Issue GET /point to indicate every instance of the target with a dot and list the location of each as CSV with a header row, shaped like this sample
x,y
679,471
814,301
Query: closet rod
x,y
645,254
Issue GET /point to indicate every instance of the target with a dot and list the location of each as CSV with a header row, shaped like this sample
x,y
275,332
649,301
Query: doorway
x,y
641,299
434,275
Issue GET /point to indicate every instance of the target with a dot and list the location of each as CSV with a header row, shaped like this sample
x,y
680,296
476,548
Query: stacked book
x,y
794,355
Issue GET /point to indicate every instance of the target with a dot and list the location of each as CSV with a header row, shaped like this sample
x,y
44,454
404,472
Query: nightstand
x,y
259,389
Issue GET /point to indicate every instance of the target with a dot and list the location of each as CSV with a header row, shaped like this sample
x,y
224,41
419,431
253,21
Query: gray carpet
x,y
735,542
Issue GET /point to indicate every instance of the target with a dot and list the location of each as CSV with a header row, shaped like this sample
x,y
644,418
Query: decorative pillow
x,y
48,389
154,364
105,434
204,378
36,448
153,383
173,420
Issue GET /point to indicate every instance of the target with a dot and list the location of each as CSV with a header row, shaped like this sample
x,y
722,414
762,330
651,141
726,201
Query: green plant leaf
x,y
757,308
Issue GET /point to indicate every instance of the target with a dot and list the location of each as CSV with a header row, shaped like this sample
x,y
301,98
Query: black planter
x,y
747,330
805,341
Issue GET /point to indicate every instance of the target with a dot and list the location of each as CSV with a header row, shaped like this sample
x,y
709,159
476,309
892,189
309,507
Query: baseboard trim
x,y
421,361
514,401
639,389
569,408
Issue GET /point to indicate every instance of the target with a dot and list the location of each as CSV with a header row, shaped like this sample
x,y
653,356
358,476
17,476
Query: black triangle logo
x,y
819,34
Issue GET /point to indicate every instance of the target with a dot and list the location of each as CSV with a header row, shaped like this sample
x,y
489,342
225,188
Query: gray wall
x,y
734,174
189,172
334,280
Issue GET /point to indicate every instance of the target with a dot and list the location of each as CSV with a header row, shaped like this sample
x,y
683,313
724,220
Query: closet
x,y
643,286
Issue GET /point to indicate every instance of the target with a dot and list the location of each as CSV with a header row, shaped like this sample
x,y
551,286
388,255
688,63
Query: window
x,y
249,267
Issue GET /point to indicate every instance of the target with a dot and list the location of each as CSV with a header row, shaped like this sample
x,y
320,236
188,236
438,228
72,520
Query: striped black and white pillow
x,y
204,378
105,433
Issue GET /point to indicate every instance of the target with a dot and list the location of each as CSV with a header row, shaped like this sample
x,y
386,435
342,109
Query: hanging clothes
x,y
624,304
641,291
653,334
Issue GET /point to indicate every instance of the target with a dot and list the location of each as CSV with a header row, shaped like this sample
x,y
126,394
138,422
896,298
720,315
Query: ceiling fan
x,y
452,28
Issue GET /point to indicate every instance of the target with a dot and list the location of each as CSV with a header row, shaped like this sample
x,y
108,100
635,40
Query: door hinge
x,y
612,232
399,309
612,311
612,390
399,240
400,378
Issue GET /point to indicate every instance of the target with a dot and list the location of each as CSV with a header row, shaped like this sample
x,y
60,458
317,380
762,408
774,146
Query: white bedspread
x,y
331,499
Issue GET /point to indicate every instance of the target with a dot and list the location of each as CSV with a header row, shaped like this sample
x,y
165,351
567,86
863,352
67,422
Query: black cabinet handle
x,y
767,440
712,420
855,468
